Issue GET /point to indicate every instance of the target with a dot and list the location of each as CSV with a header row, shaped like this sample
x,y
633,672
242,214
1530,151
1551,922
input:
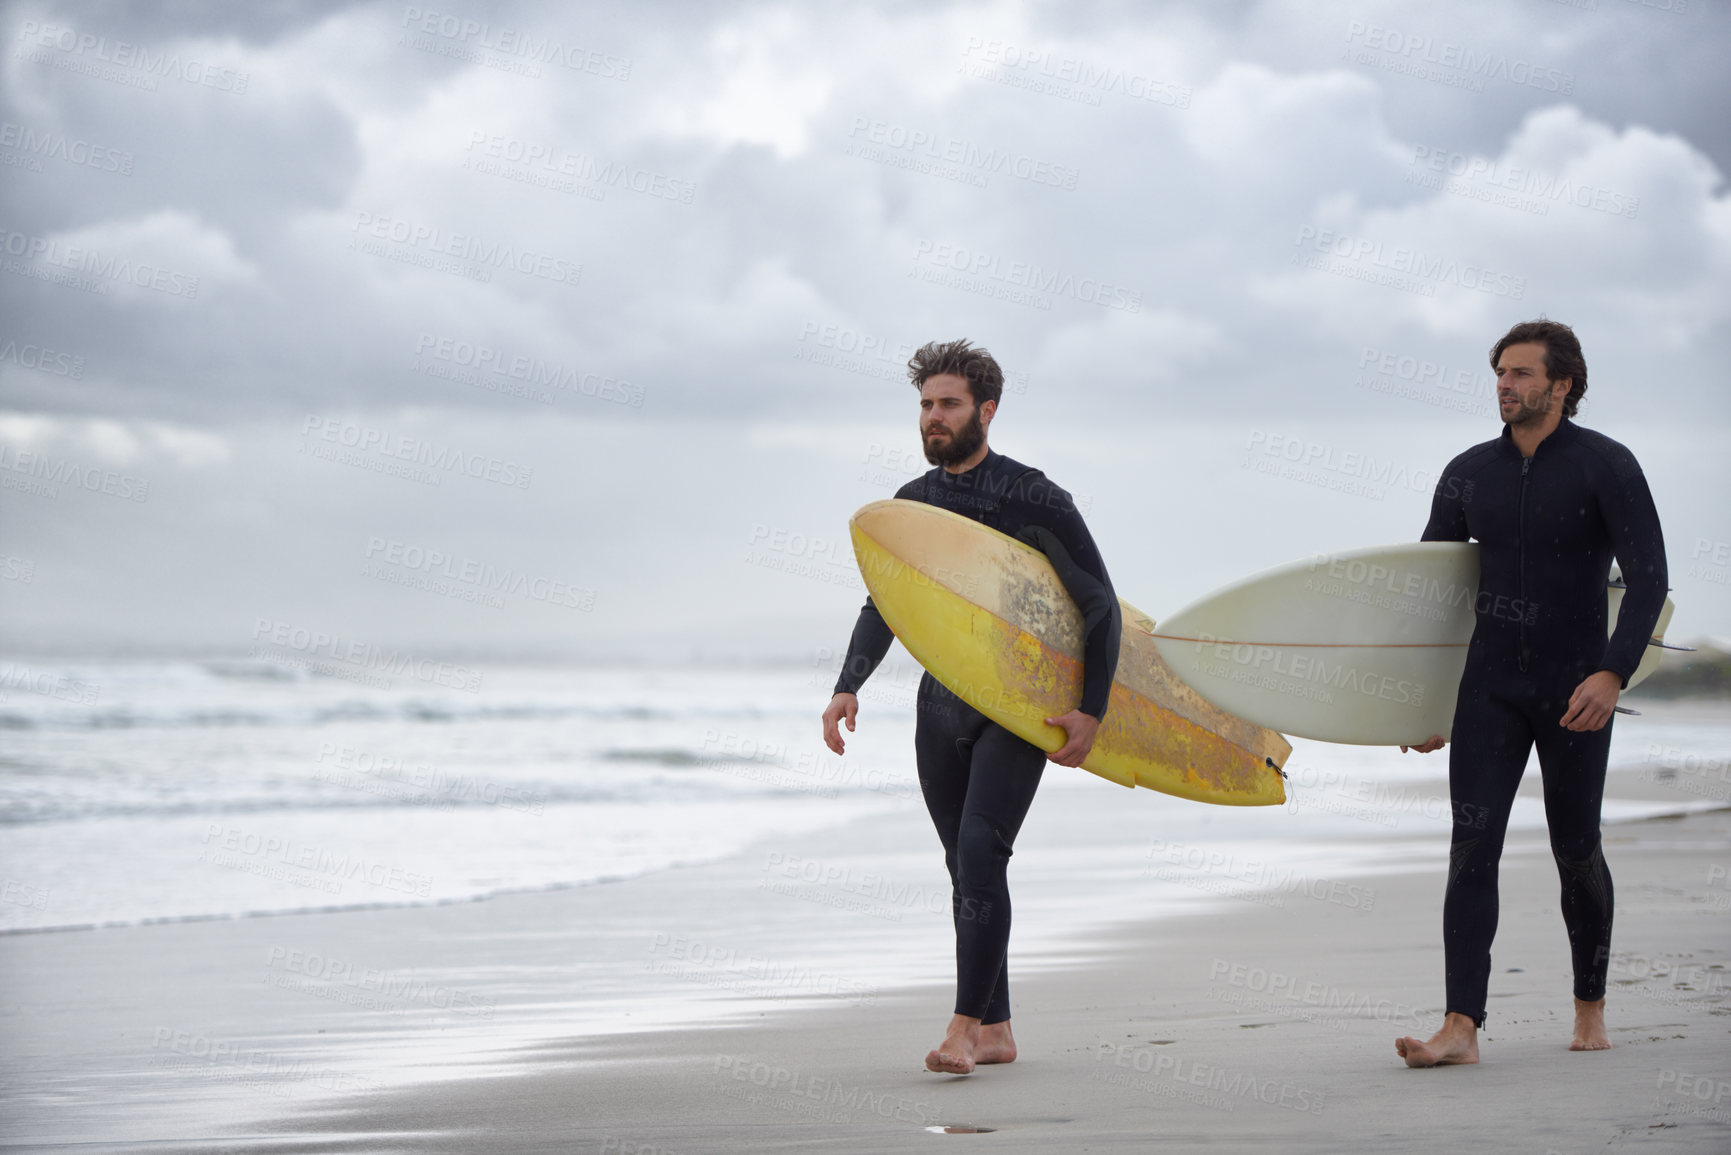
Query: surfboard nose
x,y
875,521
933,542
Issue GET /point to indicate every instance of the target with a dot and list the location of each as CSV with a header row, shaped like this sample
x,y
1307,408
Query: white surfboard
x,y
1364,647
1655,650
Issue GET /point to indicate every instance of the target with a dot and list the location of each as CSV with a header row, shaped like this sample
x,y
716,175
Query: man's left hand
x,y
1080,729
1593,702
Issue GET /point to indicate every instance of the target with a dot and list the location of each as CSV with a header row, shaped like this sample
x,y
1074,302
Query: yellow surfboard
x,y
988,617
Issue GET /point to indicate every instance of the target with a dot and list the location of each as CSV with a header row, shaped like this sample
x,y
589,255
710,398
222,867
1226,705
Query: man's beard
x,y
962,444
1524,413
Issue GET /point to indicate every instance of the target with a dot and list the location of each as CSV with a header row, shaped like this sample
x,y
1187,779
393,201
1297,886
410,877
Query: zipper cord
x,y
1521,559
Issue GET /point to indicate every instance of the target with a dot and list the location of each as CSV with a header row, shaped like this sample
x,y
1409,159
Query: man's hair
x,y
985,380
1562,358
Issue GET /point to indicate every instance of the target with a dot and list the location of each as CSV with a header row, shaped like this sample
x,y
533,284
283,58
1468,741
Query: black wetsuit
x,y
978,778
1548,527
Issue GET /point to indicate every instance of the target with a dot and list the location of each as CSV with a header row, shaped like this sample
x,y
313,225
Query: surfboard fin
x,y
1617,583
1664,645
1626,710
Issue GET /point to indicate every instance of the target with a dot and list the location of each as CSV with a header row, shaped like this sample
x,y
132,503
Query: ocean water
x,y
137,791
133,791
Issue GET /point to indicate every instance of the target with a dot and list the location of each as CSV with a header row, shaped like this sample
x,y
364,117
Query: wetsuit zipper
x,y
1521,561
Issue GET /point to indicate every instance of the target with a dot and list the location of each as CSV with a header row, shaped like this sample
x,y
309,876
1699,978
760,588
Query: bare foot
x,y
996,1045
955,1055
1590,1027
1457,1042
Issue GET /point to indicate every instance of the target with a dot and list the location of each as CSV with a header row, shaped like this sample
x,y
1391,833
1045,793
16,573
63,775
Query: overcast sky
x,y
578,330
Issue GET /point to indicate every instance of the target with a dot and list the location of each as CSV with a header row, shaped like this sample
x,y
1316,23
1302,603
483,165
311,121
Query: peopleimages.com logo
x,y
1401,266
1004,277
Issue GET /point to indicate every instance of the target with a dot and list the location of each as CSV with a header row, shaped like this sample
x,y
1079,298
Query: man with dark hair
x,y
1550,504
978,778
1562,356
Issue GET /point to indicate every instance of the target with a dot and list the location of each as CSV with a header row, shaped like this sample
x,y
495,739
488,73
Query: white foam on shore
x,y
140,792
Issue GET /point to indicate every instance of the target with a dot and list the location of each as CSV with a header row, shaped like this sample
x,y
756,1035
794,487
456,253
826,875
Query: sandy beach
x,y
1246,1022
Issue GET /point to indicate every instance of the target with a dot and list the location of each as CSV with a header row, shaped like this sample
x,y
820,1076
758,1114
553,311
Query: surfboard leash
x,y
1318,645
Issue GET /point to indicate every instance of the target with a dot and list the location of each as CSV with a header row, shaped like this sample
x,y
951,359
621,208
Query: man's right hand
x,y
841,706
1435,743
